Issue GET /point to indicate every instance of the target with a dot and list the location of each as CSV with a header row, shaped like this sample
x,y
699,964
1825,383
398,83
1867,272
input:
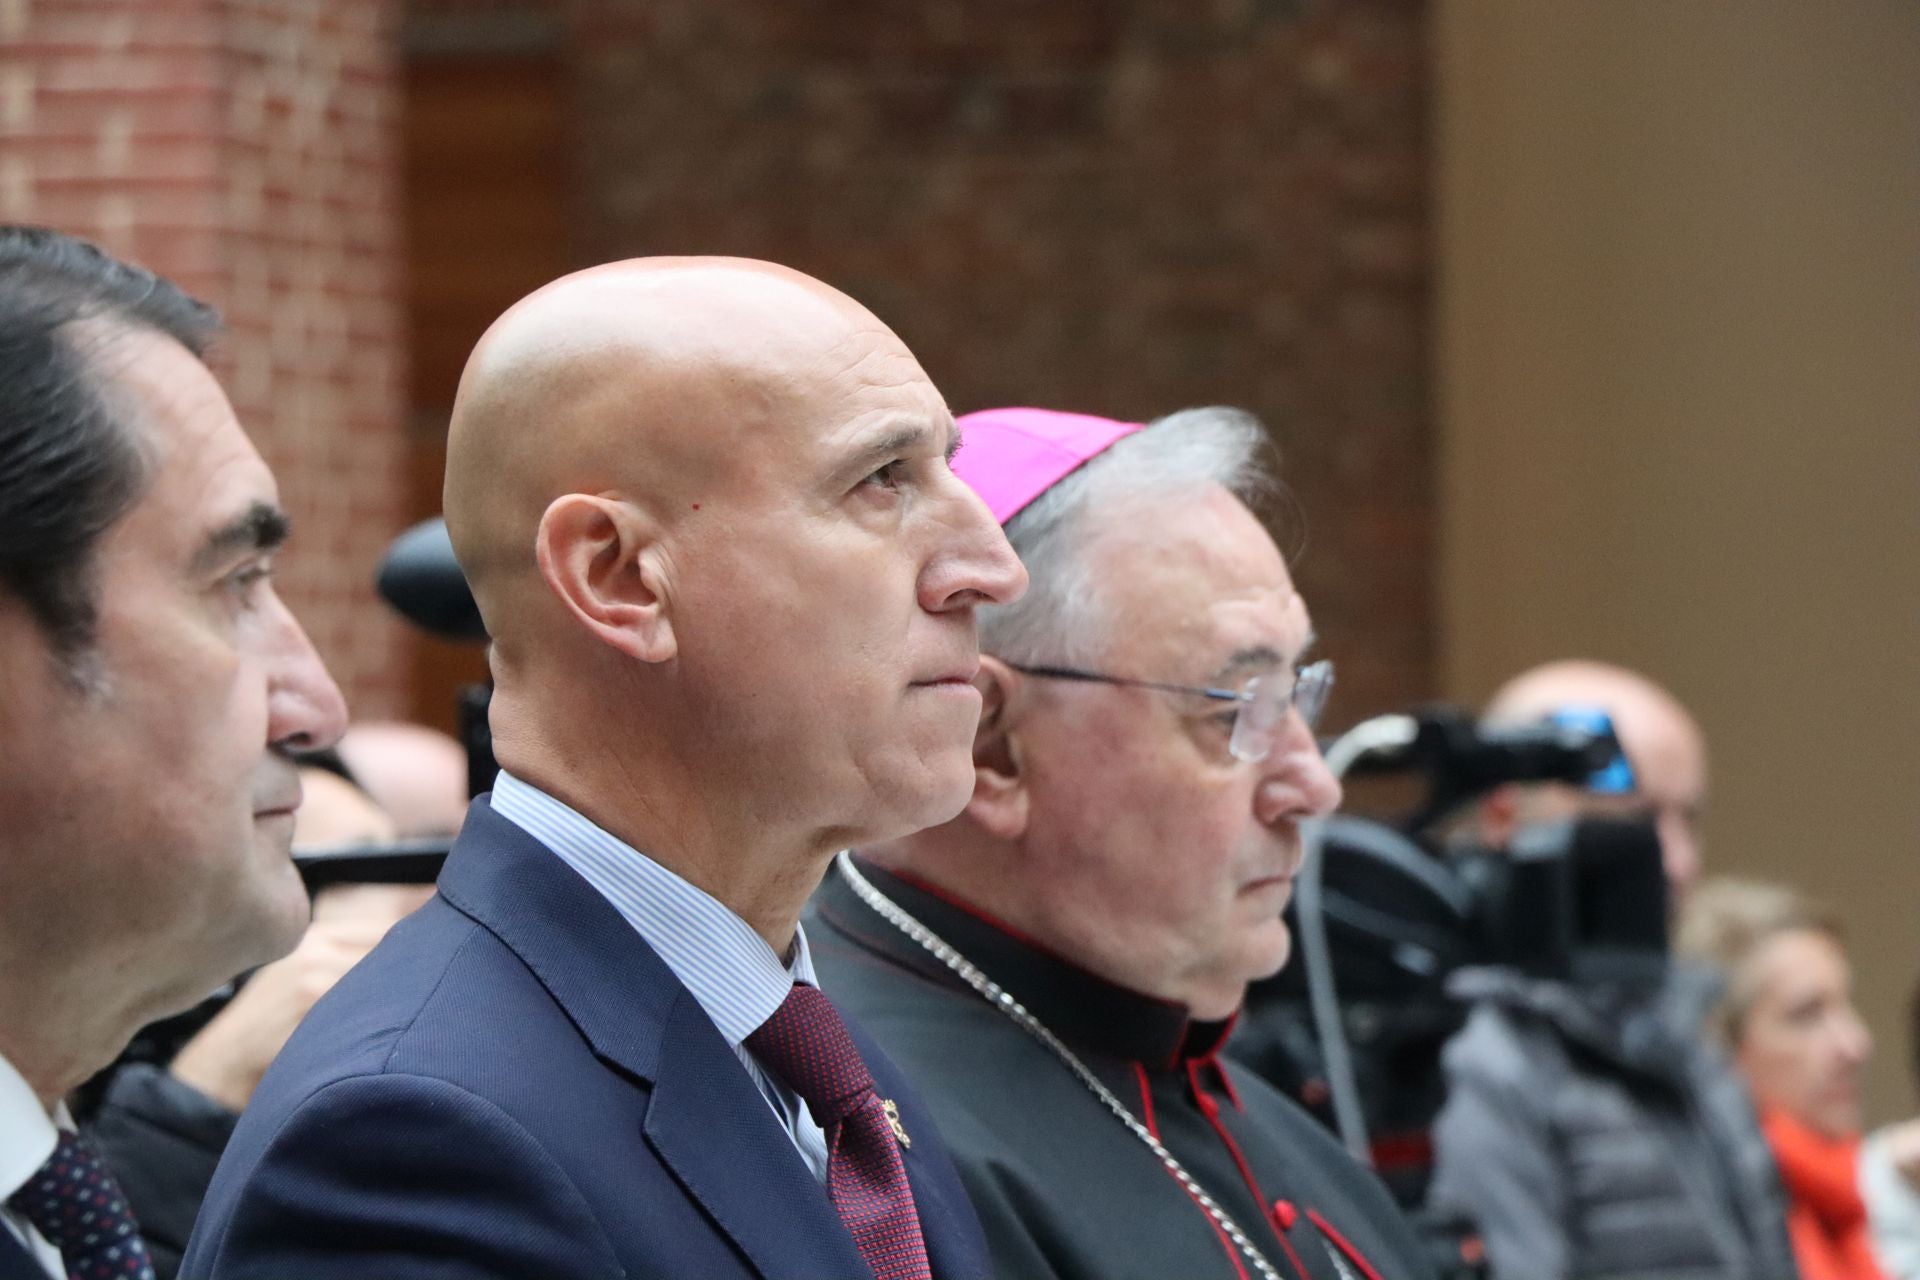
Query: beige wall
x,y
1679,358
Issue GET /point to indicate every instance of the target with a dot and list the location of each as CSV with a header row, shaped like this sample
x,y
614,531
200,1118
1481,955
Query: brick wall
x,y
1125,208
247,149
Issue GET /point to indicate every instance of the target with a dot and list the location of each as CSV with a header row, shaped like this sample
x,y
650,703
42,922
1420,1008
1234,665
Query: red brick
x,y
1120,209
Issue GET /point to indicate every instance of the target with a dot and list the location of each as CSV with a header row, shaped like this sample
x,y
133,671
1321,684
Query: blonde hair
x,y
1726,921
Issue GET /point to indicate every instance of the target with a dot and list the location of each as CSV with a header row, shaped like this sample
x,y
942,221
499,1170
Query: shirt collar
x,y
1080,1007
27,1133
729,968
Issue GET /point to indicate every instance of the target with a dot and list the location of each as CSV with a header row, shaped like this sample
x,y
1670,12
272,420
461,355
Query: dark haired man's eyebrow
x,y
953,445
261,527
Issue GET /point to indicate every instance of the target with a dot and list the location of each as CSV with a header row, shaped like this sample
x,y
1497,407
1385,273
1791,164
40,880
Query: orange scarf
x,y
1826,1219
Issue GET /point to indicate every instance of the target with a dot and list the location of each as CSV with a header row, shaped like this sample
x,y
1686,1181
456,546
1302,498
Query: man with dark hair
x,y
152,688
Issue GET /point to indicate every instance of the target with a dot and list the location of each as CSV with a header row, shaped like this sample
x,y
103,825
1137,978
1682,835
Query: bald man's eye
x,y
890,476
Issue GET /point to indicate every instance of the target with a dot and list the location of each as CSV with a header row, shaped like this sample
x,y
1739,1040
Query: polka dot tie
x,y
74,1202
806,1044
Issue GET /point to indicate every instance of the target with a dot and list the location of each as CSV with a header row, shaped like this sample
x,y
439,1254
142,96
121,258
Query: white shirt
x,y
28,1136
729,968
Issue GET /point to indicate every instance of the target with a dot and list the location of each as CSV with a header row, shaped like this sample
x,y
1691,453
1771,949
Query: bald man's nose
x,y
1679,850
977,566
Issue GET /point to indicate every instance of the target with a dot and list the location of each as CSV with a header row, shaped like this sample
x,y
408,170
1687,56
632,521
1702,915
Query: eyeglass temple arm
x,y
1095,677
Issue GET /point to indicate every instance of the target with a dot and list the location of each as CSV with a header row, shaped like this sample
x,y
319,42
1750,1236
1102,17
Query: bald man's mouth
x,y
278,798
958,675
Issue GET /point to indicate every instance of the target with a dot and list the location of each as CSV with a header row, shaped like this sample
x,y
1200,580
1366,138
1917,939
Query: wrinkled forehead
x,y
748,383
202,470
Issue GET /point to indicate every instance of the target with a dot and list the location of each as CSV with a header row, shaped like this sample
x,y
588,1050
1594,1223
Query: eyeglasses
x,y
1263,701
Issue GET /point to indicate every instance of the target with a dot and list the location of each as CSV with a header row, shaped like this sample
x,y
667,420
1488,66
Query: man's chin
x,y
1269,956
279,906
937,796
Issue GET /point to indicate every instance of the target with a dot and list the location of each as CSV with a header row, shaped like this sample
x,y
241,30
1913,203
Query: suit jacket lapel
x,y
705,1119
710,1125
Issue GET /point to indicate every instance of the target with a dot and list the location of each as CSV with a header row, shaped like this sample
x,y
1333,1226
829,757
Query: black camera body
x,y
1582,900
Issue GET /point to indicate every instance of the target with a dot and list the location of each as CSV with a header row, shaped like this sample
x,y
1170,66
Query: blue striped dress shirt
x,y
730,970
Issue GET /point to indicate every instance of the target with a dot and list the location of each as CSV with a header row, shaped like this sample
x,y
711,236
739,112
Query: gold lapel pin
x,y
892,1109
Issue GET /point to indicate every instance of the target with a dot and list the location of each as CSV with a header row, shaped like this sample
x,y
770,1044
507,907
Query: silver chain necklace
x,y
989,990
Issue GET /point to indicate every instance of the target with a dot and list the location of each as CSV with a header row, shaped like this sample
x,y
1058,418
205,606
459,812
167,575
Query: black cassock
x,y
1064,1189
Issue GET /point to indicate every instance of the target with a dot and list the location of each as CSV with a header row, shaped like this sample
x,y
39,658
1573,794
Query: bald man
x,y
705,509
1662,743
1588,1129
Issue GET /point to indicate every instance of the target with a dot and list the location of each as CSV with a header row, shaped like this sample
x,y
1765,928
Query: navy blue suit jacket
x,y
513,1085
15,1262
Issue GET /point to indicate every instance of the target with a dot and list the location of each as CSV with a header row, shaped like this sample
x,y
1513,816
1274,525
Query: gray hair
x,y
1061,619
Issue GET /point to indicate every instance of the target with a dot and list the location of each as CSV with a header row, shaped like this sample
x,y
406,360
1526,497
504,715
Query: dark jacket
x,y
1064,1190
162,1139
514,1086
1592,1133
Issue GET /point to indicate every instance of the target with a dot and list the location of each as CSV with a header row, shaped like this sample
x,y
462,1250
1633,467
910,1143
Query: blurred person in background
x,y
161,1128
1662,743
1588,1129
153,694
1787,1019
1140,773
1890,1177
417,775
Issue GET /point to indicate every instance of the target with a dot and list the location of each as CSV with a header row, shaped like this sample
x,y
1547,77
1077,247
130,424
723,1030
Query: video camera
x,y
1386,912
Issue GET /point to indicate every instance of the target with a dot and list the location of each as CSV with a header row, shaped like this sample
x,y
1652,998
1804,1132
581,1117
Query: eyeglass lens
x,y
1264,709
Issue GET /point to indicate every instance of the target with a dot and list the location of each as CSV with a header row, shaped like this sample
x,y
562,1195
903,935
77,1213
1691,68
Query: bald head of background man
x,y
705,508
1662,743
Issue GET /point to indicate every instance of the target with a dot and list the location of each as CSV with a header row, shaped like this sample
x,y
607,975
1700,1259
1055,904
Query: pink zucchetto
x,y
1012,456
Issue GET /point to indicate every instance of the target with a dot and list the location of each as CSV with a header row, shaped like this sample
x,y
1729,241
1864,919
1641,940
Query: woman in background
x,y
1787,1020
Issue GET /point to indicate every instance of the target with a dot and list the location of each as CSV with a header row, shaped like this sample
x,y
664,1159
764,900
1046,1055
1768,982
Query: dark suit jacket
x,y
15,1262
514,1085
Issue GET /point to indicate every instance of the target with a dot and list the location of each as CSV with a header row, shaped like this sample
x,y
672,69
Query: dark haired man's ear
x,y
599,555
1000,799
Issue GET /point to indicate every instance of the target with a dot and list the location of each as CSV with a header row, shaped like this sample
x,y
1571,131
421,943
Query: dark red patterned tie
x,y
806,1044
74,1202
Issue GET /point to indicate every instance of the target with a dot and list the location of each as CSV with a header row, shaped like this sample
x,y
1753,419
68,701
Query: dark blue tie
x,y
75,1203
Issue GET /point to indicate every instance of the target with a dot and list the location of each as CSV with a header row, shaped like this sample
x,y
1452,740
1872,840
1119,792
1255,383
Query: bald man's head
x,y
643,378
705,508
1661,741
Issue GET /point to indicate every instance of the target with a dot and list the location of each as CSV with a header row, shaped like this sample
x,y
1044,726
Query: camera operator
x,y
1589,1130
152,691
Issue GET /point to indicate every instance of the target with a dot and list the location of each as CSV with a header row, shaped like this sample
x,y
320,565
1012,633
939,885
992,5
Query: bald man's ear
x,y
599,556
1000,798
